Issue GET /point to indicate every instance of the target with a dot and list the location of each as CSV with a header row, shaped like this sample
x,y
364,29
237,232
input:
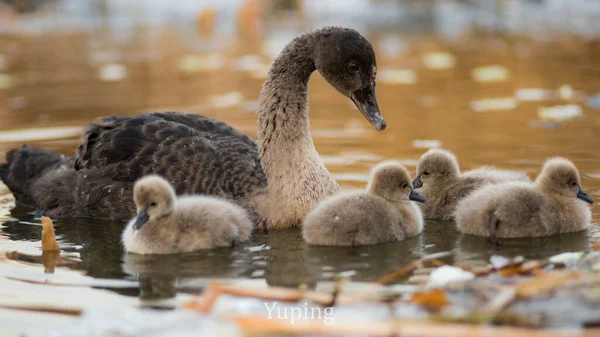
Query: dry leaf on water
x,y
433,300
48,236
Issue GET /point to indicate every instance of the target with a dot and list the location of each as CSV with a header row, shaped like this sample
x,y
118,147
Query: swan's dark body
x,y
97,182
278,178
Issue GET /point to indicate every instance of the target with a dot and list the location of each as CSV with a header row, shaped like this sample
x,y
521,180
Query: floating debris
x,y
493,73
491,104
560,113
426,143
191,63
445,275
439,60
227,100
6,81
396,76
593,101
534,94
567,259
112,72
3,62
40,134
566,92
48,237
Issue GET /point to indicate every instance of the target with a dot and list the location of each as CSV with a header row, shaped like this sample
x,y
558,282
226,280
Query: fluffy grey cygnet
x,y
439,179
555,203
382,213
166,224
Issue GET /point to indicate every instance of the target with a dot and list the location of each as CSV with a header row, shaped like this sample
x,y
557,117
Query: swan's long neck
x,y
296,176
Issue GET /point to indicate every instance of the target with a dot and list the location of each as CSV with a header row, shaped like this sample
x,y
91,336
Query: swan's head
x,y
347,61
435,166
154,197
560,176
391,180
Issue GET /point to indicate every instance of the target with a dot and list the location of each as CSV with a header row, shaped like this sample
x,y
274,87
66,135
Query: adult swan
x,y
278,180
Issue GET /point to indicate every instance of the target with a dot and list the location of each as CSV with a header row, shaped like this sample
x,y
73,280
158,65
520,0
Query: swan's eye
x,y
404,185
426,173
353,67
153,204
573,183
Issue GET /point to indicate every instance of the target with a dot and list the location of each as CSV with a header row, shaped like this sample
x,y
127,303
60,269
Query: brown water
x,y
52,80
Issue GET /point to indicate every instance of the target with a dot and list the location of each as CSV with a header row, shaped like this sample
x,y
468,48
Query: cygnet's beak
x,y
417,183
366,102
416,196
584,196
140,220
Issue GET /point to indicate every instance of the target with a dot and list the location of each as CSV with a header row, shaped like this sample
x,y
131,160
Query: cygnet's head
x,y
154,197
560,176
391,180
434,166
347,61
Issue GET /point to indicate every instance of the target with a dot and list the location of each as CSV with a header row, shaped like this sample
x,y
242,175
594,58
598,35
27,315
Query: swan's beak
x,y
416,196
417,183
584,196
366,102
140,220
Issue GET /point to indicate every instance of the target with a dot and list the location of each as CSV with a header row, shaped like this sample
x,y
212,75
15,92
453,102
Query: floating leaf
x,y
534,94
493,73
492,104
439,60
433,300
426,143
396,76
559,113
112,72
6,81
48,236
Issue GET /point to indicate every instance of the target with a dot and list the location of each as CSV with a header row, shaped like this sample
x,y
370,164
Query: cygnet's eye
x,y
353,67
573,183
426,173
405,185
152,204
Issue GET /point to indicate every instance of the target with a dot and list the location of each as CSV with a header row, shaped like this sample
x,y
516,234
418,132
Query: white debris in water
x,y
499,262
439,60
568,259
227,100
534,94
560,113
491,104
396,76
493,73
426,143
191,63
6,81
112,72
445,275
39,134
566,92
258,248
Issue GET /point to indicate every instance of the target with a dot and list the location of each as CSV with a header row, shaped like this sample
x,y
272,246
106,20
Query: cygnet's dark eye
x,y
573,183
405,185
152,204
353,67
426,173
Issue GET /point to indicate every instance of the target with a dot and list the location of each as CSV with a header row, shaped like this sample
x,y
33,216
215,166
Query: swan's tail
x,y
24,167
